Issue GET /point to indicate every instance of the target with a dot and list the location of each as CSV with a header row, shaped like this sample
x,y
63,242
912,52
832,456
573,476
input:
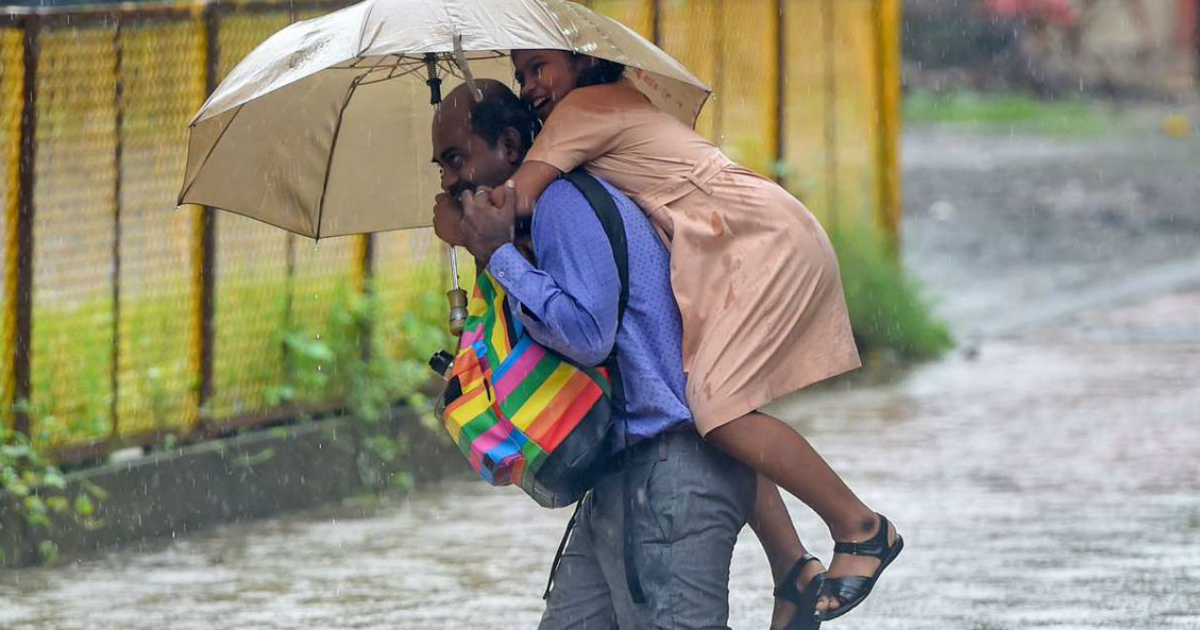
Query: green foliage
x,y
37,491
887,310
369,364
72,380
1005,112
48,550
248,460
72,389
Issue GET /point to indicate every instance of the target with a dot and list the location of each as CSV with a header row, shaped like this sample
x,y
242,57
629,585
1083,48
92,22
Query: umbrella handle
x,y
458,310
457,298
454,265
460,60
434,83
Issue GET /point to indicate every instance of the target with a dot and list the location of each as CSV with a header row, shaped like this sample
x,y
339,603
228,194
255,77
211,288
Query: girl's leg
x,y
775,530
780,453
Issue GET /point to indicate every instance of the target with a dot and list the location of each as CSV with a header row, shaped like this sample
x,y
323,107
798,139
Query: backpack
x,y
520,413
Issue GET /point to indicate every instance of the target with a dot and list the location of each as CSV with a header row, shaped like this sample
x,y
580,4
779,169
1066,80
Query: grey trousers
x,y
690,503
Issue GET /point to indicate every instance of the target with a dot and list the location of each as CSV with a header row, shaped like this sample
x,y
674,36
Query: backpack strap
x,y
614,226
606,210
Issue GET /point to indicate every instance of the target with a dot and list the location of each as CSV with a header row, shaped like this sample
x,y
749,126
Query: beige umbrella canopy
x,y
323,130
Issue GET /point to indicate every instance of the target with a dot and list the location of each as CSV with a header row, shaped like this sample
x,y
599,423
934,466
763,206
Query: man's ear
x,y
512,145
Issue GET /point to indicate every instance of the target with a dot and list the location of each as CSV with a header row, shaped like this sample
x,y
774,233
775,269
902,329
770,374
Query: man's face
x,y
465,159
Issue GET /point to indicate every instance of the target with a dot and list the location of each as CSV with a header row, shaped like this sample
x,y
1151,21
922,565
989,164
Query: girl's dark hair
x,y
603,72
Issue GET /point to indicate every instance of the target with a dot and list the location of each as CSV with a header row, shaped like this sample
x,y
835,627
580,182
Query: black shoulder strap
x,y
614,226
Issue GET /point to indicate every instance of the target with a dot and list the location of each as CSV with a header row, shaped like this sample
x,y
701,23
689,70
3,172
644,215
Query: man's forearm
x,y
580,327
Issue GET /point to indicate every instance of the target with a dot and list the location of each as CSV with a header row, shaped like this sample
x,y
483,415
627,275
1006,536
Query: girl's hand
x,y
527,184
485,226
499,195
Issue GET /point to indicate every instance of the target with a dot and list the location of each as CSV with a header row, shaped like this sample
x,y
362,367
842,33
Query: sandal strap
x,y
846,589
876,547
787,587
875,550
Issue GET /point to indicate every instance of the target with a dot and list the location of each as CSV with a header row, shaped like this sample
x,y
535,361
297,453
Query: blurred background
x,y
206,418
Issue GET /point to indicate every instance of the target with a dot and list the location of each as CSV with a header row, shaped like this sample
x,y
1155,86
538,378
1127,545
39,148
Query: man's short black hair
x,y
499,110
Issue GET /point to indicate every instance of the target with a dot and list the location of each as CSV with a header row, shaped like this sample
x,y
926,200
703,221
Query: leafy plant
x,y
370,365
888,312
38,492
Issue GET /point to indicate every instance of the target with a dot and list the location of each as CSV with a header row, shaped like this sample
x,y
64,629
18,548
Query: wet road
x,y
1046,477
1049,482
1000,225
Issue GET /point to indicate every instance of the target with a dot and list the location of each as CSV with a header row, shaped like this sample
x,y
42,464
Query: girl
x,y
760,296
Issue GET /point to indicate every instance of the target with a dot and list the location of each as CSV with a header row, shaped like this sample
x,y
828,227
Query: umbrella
x,y
323,130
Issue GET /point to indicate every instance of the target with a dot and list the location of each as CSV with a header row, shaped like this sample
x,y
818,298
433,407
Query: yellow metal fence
x,y
804,90
122,320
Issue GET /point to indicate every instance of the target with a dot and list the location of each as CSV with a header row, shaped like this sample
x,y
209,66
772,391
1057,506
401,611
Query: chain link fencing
x,y
12,81
125,320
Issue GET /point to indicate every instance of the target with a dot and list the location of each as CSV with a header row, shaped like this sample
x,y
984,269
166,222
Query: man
x,y
691,501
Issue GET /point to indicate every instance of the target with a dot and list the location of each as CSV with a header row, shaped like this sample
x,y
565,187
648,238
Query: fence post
x,y
829,39
118,156
204,254
364,273
12,204
718,86
780,92
887,71
23,269
656,22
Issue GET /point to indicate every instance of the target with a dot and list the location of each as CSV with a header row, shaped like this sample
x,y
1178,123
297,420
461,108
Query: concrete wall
x,y
172,493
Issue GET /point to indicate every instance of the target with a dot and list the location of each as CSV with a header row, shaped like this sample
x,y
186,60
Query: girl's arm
x,y
530,180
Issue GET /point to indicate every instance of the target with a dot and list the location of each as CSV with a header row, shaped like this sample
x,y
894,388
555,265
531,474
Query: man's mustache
x,y
461,187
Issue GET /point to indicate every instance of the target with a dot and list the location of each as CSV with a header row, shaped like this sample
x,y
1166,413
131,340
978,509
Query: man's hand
x,y
447,220
485,226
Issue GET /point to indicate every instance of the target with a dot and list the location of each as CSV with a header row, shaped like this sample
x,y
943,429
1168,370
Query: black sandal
x,y
806,600
851,590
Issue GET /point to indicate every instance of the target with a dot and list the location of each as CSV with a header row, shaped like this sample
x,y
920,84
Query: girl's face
x,y
545,77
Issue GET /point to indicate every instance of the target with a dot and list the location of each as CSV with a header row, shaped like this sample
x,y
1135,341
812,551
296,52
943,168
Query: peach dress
x,y
753,272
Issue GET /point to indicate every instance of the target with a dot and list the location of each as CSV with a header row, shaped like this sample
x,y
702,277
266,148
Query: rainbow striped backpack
x,y
521,413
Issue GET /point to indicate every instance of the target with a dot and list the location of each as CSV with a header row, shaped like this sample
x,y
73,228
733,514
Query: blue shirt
x,y
573,294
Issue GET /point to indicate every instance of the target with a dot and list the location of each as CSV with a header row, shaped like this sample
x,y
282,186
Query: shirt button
x,y
500,274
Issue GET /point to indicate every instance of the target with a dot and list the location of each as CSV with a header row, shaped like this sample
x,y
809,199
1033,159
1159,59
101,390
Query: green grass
x,y
890,315
72,390
72,352
72,385
1007,112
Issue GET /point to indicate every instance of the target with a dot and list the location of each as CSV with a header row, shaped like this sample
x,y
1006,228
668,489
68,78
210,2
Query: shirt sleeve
x,y
569,301
578,131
